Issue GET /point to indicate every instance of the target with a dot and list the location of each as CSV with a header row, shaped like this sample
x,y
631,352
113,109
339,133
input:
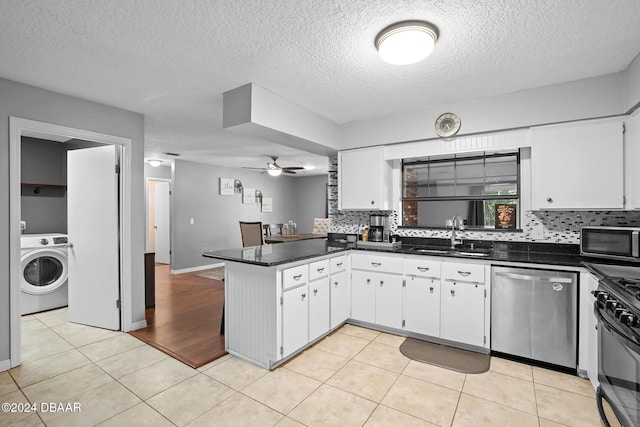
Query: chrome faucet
x,y
456,219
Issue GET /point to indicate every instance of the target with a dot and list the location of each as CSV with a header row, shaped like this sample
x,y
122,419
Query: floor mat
x,y
467,362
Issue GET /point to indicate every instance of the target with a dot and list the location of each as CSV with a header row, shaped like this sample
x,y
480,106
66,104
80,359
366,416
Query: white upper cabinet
x,y
363,180
631,157
578,165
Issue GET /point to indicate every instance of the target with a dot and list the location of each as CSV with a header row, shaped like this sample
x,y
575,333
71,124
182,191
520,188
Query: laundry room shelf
x,y
55,188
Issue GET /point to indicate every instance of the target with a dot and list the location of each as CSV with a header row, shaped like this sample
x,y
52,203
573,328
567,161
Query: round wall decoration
x,y
447,124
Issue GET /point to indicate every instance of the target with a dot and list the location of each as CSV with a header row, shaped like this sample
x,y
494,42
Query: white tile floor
x,y
353,377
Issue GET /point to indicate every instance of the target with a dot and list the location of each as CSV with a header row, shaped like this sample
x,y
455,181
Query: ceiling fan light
x,y
406,42
274,172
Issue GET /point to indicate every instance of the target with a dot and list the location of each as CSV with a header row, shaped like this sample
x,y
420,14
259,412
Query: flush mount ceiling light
x,y
154,162
406,42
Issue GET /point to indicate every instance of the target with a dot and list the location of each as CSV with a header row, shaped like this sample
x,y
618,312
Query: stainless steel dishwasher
x,y
534,314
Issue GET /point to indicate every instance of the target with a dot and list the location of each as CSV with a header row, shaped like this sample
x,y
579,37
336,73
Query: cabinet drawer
x,y
318,269
463,272
338,263
295,276
422,267
376,263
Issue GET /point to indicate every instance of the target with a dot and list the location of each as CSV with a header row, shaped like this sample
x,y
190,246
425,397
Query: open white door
x,y
162,207
92,215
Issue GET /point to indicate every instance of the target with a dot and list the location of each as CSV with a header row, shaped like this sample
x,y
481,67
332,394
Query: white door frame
x,y
146,198
19,127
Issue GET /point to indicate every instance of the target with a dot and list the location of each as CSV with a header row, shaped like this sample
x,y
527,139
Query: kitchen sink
x,y
474,252
461,251
431,251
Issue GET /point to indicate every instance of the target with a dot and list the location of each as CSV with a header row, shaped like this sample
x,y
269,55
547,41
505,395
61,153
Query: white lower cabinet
x,y
295,319
376,289
462,312
339,298
462,303
588,329
422,305
388,300
319,307
363,296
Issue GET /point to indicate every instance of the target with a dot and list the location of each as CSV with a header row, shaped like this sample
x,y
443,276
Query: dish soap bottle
x,y
365,234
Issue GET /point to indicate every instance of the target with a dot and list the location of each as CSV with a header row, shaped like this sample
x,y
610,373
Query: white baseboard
x,y
199,268
137,325
5,365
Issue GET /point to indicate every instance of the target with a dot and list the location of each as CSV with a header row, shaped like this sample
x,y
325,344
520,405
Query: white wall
x,y
589,98
632,85
311,192
38,104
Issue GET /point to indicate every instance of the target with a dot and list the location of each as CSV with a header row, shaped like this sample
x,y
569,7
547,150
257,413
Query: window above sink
x,y
472,186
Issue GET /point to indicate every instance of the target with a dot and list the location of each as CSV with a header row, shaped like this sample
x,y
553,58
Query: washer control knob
x,y
44,242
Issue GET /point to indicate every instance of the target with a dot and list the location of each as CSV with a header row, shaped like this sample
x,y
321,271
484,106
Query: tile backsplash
x,y
539,226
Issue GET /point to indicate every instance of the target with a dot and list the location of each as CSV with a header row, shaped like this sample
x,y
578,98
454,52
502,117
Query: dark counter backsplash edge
x,y
496,245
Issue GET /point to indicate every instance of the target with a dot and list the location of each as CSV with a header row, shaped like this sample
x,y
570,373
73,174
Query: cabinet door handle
x,y
423,269
339,264
315,292
368,281
336,284
464,273
297,276
381,282
431,289
376,264
304,296
320,270
373,202
453,292
549,200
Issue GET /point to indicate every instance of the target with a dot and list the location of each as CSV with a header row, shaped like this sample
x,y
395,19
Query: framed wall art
x,y
227,187
267,204
248,195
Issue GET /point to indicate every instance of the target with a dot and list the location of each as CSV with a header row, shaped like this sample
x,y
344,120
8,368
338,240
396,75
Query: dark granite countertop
x,y
283,253
280,253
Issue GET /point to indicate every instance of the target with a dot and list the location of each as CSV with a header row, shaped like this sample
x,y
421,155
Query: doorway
x,y
41,130
159,219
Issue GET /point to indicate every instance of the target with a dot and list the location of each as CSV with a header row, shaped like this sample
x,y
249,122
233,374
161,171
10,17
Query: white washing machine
x,y
44,270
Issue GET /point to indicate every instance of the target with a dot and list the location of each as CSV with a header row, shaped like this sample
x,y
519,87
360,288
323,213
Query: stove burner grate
x,y
631,286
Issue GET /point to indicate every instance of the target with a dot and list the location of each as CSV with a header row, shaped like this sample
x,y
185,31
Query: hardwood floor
x,y
185,322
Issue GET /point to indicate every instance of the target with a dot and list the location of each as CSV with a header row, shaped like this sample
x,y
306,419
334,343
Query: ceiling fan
x,y
274,169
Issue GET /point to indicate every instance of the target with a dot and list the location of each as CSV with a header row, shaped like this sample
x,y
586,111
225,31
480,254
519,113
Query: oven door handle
x,y
616,333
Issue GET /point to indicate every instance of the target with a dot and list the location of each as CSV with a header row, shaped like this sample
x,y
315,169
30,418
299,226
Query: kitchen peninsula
x,y
277,297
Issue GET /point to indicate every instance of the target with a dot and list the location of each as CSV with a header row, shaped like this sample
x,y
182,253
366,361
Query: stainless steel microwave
x,y
611,242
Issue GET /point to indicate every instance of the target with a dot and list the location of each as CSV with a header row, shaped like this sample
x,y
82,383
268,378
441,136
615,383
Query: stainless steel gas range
x,y
617,309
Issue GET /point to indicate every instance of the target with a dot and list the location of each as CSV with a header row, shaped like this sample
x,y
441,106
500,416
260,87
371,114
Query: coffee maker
x,y
378,228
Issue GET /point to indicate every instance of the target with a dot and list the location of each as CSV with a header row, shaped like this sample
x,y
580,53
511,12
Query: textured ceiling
x,y
172,60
